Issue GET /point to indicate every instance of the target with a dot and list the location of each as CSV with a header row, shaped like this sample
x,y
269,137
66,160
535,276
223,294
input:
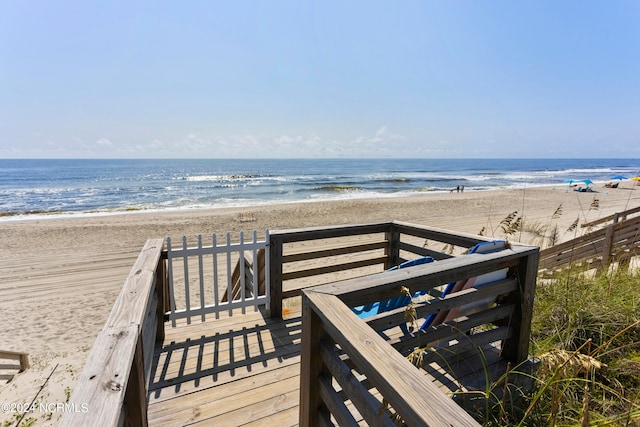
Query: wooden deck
x,y
245,370
241,369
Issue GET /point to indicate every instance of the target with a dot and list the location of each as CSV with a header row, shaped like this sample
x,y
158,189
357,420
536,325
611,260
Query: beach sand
x,y
60,276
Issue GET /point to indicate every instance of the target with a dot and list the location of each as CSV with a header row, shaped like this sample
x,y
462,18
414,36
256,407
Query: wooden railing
x,y
8,361
616,217
116,375
617,242
382,245
113,384
336,343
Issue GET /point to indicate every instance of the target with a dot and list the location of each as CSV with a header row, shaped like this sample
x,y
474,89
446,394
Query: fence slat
x,y
201,276
214,244
172,297
186,278
247,278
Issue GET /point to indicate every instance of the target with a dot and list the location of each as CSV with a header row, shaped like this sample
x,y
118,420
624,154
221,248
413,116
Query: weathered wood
x,y
393,250
342,250
333,268
382,286
415,398
600,246
21,357
390,318
21,363
249,277
275,270
516,349
367,405
117,359
162,290
105,378
615,217
310,365
423,252
323,232
440,235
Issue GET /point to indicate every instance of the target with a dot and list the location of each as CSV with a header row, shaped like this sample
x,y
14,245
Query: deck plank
x,y
245,370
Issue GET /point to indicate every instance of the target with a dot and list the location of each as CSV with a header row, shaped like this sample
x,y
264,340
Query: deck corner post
x,y
162,291
275,276
393,249
310,365
134,408
516,348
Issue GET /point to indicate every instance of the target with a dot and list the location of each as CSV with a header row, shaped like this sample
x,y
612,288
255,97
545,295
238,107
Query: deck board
x,y
244,370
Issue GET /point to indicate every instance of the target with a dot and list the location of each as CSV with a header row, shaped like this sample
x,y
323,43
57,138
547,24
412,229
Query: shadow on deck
x,y
245,370
321,363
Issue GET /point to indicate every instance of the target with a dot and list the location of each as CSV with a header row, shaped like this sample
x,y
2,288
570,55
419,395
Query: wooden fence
x,y
114,381
217,277
378,247
13,362
615,243
346,359
116,375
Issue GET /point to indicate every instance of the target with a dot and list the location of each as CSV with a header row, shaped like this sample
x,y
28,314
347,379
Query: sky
x,y
315,79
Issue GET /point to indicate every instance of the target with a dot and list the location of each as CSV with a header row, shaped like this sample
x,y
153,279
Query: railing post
x,y
608,243
393,247
310,365
162,290
135,397
275,279
516,348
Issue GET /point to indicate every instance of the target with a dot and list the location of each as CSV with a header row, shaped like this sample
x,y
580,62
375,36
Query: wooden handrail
x,y
390,243
614,217
113,384
617,241
327,318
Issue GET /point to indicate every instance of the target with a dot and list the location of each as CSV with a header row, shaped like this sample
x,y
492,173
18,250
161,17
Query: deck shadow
x,y
226,353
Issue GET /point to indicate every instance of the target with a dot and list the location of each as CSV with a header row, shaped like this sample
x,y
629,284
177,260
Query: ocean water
x,y
48,188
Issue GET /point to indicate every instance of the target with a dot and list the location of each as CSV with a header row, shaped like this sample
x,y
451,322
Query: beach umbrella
x,y
586,181
636,178
620,177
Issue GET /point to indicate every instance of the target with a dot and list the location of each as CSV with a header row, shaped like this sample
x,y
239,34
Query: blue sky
x,y
221,79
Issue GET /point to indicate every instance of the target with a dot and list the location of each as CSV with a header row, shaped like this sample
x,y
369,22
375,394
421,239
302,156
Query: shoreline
x,y
133,210
62,275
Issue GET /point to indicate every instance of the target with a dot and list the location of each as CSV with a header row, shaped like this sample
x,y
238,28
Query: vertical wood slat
x,y
310,365
134,406
243,265
186,278
256,269
229,274
172,298
267,267
201,277
238,281
216,298
275,280
393,249
516,348
161,290
414,397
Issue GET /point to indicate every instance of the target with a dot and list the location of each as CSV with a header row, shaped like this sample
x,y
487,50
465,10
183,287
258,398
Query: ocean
x,y
52,188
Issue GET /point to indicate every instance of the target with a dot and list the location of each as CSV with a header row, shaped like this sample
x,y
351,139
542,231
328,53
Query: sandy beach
x,y
60,276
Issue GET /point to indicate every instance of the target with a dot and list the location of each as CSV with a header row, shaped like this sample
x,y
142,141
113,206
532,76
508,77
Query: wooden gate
x,y
217,277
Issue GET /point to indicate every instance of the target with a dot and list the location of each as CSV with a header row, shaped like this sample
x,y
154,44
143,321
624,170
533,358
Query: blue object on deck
x,y
369,310
482,248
